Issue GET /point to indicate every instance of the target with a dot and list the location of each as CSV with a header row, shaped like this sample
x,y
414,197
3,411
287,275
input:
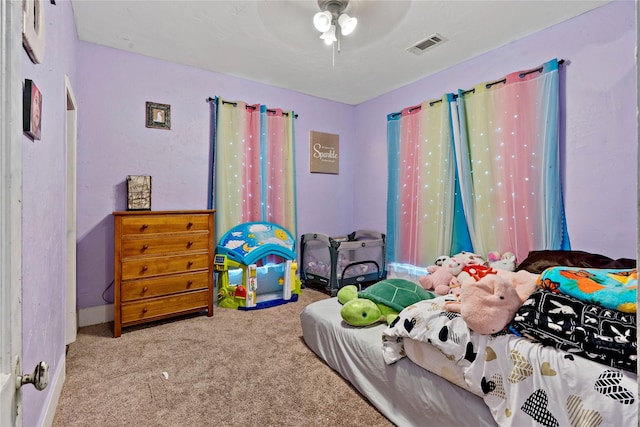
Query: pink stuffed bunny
x,y
489,304
441,278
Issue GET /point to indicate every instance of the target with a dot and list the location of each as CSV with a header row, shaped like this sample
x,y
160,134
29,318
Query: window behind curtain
x,y
504,191
253,165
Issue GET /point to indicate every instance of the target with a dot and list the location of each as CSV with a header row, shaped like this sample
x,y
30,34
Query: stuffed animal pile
x,y
488,292
448,273
442,279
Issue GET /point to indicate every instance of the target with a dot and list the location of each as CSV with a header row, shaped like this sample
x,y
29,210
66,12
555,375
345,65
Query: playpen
x,y
358,259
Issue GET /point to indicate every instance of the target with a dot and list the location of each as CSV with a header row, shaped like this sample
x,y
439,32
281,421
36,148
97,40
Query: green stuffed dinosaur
x,y
380,302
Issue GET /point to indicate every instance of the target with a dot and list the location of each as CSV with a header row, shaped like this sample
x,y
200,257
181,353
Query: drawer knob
x,y
144,310
144,227
145,247
145,268
189,283
189,264
189,243
145,289
189,224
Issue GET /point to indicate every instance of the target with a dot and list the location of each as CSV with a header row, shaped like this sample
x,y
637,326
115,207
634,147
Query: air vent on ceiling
x,y
428,43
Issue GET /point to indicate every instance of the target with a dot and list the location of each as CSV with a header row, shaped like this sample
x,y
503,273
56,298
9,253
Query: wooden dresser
x,y
163,265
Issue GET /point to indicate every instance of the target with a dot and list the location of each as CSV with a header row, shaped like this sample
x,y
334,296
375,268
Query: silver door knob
x,y
39,378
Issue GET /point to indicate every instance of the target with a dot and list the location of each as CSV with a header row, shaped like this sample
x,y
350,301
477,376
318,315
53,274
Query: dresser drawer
x,y
152,224
154,266
133,247
163,265
163,307
164,285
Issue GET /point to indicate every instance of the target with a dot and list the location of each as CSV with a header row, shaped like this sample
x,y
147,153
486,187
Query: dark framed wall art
x,y
32,110
158,115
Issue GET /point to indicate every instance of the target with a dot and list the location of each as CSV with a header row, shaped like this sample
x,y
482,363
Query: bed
x,y
404,392
416,374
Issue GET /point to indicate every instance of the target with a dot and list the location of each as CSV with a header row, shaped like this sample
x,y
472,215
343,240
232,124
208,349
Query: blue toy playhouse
x,y
255,263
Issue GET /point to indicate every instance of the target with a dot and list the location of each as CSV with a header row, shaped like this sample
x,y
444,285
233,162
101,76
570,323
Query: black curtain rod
x,y
235,104
488,85
432,103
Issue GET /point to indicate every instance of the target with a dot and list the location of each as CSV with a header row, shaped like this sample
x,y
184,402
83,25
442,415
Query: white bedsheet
x,y
522,382
405,393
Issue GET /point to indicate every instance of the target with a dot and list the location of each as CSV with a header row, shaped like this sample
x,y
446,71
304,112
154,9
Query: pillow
x,y
538,261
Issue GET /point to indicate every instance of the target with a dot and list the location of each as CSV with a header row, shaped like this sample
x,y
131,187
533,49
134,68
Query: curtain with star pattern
x,y
253,165
484,176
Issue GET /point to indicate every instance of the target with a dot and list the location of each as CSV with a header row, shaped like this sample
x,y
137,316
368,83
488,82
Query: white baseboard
x,y
95,315
56,391
86,317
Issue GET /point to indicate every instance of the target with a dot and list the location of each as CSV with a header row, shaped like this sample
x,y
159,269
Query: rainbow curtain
x,y
253,165
496,185
512,189
421,189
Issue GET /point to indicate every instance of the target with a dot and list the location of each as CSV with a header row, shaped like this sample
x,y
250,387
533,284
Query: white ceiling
x,y
274,41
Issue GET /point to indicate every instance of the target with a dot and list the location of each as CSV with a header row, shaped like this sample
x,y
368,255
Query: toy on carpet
x,y
380,302
490,303
244,247
441,279
228,295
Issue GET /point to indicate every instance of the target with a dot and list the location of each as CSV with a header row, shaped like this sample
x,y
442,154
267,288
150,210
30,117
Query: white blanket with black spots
x,y
522,382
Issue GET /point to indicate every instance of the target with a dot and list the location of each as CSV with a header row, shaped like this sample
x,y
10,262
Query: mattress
x,y
405,393
524,383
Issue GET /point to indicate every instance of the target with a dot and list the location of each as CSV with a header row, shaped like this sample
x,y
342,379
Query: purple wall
x,y
600,132
111,88
113,142
43,209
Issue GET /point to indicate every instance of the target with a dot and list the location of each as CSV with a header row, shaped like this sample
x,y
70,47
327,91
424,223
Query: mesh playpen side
x,y
358,259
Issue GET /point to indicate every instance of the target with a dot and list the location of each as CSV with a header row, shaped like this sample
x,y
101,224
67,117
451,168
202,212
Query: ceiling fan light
x,y
329,36
322,21
347,24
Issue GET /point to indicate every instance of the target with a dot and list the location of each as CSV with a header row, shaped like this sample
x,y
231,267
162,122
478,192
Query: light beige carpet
x,y
237,368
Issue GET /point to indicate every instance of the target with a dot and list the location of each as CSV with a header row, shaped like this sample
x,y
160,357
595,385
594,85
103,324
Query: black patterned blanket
x,y
522,382
601,334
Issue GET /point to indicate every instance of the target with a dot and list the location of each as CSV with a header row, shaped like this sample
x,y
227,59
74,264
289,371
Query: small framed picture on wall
x,y
32,110
158,115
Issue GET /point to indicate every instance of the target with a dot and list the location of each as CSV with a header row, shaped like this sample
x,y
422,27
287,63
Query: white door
x,y
72,132
10,212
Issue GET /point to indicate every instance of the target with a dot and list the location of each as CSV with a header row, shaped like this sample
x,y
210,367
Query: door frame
x,y
10,211
71,148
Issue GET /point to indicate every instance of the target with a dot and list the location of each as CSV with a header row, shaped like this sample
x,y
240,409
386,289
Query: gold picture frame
x,y
158,116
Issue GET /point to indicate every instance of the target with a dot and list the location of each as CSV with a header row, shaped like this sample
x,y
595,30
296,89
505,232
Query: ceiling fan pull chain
x,y
333,55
